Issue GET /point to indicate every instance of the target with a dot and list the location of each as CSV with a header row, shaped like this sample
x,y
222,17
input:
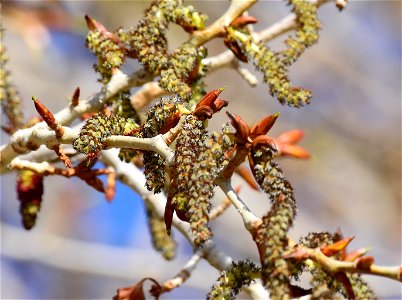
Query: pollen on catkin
x,y
272,234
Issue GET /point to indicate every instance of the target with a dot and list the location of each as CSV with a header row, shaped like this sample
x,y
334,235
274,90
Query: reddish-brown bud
x,y
330,250
263,126
75,99
170,122
210,97
203,112
243,21
92,24
236,50
242,129
219,104
364,263
46,115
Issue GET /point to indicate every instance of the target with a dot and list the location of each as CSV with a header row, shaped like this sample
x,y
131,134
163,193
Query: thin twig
x,y
250,220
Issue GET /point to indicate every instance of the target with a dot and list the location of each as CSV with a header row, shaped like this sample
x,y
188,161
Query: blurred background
x,y
85,248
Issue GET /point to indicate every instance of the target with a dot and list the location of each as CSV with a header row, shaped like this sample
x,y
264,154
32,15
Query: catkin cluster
x,y
233,279
157,117
273,69
195,169
306,33
9,99
272,234
161,241
323,281
110,55
98,128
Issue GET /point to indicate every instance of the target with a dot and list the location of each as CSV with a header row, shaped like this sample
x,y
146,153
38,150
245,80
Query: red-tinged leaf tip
x,y
242,129
291,136
264,125
90,23
209,98
352,256
292,150
242,21
219,104
46,115
335,248
76,97
364,263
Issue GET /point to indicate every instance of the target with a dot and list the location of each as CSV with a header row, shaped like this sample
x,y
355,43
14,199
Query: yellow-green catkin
x,y
360,287
98,128
122,107
161,241
233,279
195,171
324,284
9,99
273,68
181,62
306,33
272,234
154,163
109,54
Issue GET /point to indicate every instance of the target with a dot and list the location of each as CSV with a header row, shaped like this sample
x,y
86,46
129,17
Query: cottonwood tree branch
x,y
20,142
284,25
334,265
134,178
250,220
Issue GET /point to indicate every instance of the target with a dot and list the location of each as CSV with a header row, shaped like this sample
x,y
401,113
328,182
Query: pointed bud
x,y
219,104
364,263
335,248
92,24
75,99
170,122
203,112
46,115
210,97
263,126
236,50
352,256
242,129
243,21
